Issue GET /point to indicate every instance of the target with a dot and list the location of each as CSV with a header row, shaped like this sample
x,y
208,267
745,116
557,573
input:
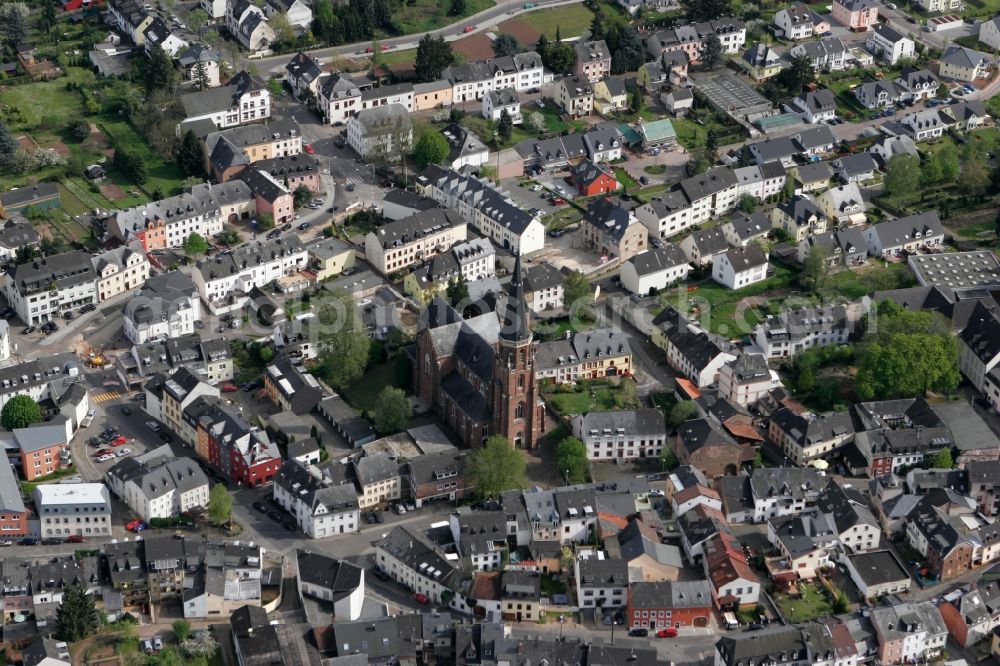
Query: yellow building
x,y
330,257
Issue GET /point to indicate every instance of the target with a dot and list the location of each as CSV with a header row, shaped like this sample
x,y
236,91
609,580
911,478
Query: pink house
x,y
270,196
858,15
293,170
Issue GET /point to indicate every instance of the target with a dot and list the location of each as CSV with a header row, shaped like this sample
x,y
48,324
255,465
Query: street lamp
x,y
562,618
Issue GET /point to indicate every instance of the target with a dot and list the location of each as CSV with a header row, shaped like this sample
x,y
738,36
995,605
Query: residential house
x,y
333,581
245,99
13,514
857,15
659,134
465,149
783,491
888,45
298,12
118,270
622,435
158,35
918,83
656,606
747,379
378,480
887,147
856,528
733,584
703,444
82,509
593,180
225,280
412,561
159,485
472,80
253,31
845,247
543,287
974,615
796,21
16,232
701,247
963,64
603,352
613,231
380,131
811,177
575,96
740,267
303,74
398,245
804,545
908,632
678,101
432,95
337,96
807,436
168,395
924,125
291,387
601,582
470,261
226,441
434,478
856,168
167,306
761,62
611,96
44,288
695,353
843,205
799,217
736,648
879,94
979,346
905,235
654,269
481,536
744,229
826,55
692,201
984,486
486,207
495,102
320,508
130,18
520,595
816,106
593,60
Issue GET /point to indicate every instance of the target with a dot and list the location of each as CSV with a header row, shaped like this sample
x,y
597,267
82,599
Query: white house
x,y
888,45
159,485
472,80
621,435
843,205
825,55
747,379
333,581
82,509
320,509
245,99
381,131
962,64
796,21
654,269
416,564
224,280
601,581
481,537
44,288
298,12
816,106
740,266
495,102
166,307
216,9
989,32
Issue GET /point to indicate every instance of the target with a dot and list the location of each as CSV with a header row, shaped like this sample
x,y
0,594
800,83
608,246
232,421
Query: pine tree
x,y
542,45
76,617
189,156
505,126
201,76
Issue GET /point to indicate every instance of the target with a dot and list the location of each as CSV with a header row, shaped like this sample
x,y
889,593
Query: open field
x,y
571,20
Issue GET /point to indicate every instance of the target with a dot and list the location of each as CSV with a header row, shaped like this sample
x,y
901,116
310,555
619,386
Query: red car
x,y
421,598
309,149
104,452
75,538
230,388
118,441
469,28
369,50
558,201
669,632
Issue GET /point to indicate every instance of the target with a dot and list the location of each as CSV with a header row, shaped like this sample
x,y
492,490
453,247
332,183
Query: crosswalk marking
x,y
108,395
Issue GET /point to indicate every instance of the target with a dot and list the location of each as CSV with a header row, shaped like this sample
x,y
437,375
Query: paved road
x,y
484,20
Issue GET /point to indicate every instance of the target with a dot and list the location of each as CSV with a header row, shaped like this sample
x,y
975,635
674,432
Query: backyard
x,y
811,604
363,394
581,397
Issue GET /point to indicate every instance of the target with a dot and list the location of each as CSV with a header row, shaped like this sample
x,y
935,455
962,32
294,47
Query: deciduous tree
x,y
495,468
458,290
392,411
431,147
344,347
505,45
20,412
433,55
681,412
712,54
943,459
220,504
577,290
195,245
571,457
902,176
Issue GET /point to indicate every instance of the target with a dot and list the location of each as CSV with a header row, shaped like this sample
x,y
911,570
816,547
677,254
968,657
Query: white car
x,y
123,452
153,425
105,458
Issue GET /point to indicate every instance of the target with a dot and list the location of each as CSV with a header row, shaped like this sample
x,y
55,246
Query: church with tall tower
x,y
479,372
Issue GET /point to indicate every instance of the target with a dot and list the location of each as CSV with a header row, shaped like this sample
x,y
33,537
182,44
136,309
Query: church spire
x,y
515,319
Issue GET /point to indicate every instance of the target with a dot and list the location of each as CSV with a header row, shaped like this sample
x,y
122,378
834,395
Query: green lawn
x,y
811,605
478,125
571,20
874,276
623,177
555,123
647,193
405,57
563,217
164,176
556,329
693,135
363,394
587,399
717,307
422,16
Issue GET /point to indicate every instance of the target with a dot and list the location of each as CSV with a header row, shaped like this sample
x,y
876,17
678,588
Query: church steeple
x,y
514,328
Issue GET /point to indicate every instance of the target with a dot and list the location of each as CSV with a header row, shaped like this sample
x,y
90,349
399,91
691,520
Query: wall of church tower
x,y
516,414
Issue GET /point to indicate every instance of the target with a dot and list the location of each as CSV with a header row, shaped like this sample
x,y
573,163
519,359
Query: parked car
x,y
400,509
157,643
29,541
166,437
147,646
89,307
75,538
421,598
67,315
29,330
309,149
119,440
639,632
126,410
6,542
304,226
669,632
105,458
123,452
274,515
230,388
259,506
132,524
153,425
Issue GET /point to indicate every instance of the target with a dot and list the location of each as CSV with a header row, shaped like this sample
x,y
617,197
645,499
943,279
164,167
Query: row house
x,y
743,229
470,261
227,578
398,245
211,360
225,440
846,247
656,606
434,478
226,280
291,387
613,231
131,19
732,582
979,350
797,21
13,513
972,615
804,545
158,485
303,73
895,238
486,207
761,181
168,395
229,150
690,350
783,491
167,223
808,436
593,60
472,80
794,331
481,537
747,380
78,509
601,582
691,202
119,270
826,55
908,632
416,564
167,306
587,355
